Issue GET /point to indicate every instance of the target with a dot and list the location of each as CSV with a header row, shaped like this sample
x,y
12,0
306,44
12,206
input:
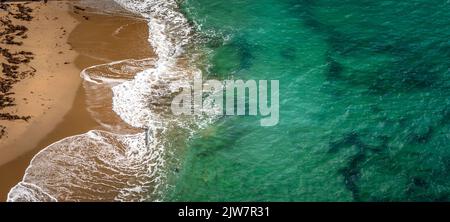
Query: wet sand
x,y
92,38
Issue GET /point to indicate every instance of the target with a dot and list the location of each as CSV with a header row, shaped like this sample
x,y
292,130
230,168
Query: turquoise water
x,y
364,102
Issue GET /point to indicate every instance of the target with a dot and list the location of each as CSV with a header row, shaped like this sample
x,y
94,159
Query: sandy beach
x,y
48,102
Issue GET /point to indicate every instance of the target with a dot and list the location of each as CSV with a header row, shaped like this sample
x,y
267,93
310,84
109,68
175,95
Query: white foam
x,y
94,166
26,192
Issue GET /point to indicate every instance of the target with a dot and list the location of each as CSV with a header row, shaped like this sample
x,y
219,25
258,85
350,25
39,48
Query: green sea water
x,y
364,102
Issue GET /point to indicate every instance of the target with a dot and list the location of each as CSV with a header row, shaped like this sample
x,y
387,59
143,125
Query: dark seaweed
x,y
12,71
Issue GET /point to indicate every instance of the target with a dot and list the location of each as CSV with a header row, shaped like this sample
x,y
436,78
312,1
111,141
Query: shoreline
x,y
96,38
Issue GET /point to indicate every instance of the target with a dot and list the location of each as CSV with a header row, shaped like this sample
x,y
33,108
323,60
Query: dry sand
x,y
49,94
64,40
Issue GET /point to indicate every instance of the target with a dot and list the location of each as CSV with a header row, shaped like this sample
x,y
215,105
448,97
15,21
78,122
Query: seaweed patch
x,y
15,66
